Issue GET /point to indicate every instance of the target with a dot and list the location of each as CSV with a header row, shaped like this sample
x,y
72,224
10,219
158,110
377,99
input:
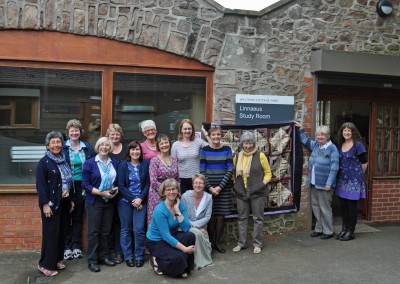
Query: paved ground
x,y
294,258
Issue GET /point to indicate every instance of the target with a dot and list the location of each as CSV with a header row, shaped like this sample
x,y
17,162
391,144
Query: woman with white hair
x,y
149,146
252,174
99,180
323,167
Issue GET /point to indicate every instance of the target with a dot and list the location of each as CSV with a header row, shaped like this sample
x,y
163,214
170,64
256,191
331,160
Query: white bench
x,y
26,154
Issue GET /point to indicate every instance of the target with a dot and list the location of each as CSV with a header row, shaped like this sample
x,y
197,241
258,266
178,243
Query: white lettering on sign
x,y
244,108
264,99
263,116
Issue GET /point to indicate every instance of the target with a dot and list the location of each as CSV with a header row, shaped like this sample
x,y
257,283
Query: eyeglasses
x,y
150,130
171,189
198,182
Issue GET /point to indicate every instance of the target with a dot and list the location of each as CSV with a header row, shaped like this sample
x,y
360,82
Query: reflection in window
x,y
34,102
387,140
165,99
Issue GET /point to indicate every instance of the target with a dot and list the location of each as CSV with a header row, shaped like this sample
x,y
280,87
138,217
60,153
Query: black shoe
x,y
118,259
316,234
325,237
348,236
139,263
219,248
94,267
107,262
130,263
342,233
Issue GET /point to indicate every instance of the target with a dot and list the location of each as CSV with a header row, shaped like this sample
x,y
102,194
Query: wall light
x,y
384,8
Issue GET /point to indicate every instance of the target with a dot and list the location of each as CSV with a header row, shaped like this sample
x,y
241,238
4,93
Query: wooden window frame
x,y
12,107
47,50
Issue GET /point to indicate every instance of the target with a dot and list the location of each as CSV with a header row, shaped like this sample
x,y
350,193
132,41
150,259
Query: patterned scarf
x,y
106,180
66,174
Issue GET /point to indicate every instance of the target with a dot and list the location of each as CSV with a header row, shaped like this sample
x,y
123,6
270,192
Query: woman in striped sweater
x,y
217,166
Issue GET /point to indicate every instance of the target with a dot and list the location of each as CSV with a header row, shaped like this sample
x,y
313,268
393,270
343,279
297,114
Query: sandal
x,y
155,267
47,272
60,265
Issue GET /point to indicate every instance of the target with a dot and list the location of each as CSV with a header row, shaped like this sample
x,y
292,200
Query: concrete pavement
x,y
292,258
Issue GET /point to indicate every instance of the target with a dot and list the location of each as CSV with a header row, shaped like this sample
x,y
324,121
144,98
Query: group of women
x,y
335,169
180,193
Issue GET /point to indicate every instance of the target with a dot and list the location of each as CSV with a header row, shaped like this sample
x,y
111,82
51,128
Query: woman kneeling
x,y
172,249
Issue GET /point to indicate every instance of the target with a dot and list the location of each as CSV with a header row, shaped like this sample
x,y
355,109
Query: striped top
x,y
188,157
216,165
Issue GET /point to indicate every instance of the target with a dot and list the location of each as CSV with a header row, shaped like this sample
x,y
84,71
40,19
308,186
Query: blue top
x,y
163,224
85,152
91,178
351,176
324,162
124,182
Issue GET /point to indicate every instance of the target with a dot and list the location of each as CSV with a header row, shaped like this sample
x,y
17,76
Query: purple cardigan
x,y
91,177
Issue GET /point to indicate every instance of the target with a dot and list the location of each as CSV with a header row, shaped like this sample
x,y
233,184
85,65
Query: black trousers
x,y
74,229
114,240
349,212
54,230
172,261
99,221
186,184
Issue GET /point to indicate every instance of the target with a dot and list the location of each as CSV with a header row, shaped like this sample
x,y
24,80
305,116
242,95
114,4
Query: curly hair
x,y
355,134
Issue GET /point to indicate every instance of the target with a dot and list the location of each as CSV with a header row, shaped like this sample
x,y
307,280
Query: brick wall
x,y
385,204
20,223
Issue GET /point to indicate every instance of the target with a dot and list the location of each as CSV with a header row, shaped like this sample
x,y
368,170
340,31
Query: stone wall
x,y
265,52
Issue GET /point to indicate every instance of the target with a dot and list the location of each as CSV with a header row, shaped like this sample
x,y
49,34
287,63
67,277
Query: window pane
x,y
48,98
5,115
378,139
23,107
387,140
387,117
378,161
395,161
379,121
163,98
395,140
386,162
395,117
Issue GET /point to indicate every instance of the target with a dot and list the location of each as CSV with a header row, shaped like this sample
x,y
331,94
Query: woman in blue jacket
x,y
323,167
133,184
53,184
99,180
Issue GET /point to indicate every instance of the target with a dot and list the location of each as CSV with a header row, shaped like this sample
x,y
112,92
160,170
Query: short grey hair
x,y
51,135
168,183
247,136
147,123
101,141
324,129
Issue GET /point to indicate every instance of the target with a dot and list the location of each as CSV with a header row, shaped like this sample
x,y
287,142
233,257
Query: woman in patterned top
x,y
217,166
353,162
162,167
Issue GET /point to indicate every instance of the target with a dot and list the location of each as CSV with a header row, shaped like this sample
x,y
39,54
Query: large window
x,y
387,140
36,101
166,99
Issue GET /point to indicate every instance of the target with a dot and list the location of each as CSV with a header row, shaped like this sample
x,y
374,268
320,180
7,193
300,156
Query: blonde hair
x,y
188,121
168,183
101,141
114,127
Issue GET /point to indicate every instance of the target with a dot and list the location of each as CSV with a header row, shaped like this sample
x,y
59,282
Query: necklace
x,y
150,146
166,161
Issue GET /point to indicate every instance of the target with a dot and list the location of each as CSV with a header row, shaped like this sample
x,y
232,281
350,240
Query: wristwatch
x,y
178,214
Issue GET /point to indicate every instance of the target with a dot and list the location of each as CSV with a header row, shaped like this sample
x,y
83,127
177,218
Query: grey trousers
x,y
321,205
257,208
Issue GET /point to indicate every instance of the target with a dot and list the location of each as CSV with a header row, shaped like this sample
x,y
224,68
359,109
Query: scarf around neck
x,y
244,170
65,170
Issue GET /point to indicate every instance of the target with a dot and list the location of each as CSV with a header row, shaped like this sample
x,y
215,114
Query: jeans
x,y
132,220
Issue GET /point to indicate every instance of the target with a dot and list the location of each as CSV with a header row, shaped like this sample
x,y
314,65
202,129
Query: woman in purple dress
x,y
353,161
162,167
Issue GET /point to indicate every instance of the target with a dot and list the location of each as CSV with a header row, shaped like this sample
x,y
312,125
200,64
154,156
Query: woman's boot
x,y
342,233
349,235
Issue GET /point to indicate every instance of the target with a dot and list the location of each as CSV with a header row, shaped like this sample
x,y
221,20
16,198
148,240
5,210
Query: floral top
x,y
351,177
158,173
